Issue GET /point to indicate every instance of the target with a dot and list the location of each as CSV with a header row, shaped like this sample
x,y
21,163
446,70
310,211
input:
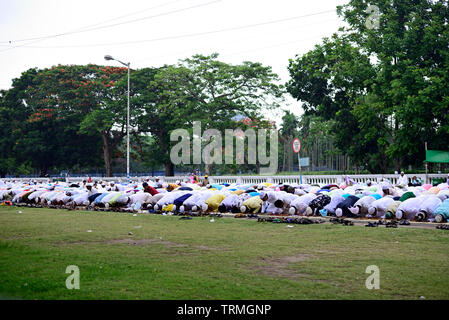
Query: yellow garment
x,y
267,184
172,186
238,192
214,201
253,204
434,190
393,207
168,207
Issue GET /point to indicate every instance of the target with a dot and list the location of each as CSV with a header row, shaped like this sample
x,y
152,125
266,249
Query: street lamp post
x,y
108,57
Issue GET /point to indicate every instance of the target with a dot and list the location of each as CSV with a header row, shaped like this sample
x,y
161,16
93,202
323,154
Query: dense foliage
x,y
382,90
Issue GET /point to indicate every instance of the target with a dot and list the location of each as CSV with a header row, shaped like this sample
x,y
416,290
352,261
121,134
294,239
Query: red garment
x,y
151,190
89,180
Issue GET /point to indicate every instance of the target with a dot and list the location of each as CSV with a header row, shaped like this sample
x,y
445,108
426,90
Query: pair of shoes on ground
x,y
185,218
443,226
375,224
391,224
371,224
342,221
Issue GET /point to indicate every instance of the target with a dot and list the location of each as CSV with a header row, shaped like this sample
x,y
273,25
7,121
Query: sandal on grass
x,y
391,224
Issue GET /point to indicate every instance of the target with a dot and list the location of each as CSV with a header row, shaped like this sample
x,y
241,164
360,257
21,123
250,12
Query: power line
x,y
37,39
178,53
185,35
93,25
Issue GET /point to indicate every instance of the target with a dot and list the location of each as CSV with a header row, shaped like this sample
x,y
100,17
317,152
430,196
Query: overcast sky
x,y
42,33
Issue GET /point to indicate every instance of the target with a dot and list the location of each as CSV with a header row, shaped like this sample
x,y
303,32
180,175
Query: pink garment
x,y
427,186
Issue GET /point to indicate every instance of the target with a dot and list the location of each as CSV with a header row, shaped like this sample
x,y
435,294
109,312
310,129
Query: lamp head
x,y
108,57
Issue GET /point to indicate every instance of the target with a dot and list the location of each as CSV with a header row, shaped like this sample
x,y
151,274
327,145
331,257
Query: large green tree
x,y
204,89
382,84
288,132
88,96
37,136
329,81
409,92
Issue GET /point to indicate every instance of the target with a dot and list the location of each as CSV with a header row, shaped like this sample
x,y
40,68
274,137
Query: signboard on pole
x,y
304,162
296,145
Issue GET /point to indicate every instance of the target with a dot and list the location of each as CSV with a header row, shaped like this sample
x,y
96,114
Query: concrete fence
x,y
309,179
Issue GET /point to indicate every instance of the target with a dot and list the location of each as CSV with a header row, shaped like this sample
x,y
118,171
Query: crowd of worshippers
x,y
382,199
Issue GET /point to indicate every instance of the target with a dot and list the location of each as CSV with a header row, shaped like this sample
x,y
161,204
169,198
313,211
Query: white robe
x,y
302,202
430,205
409,208
381,206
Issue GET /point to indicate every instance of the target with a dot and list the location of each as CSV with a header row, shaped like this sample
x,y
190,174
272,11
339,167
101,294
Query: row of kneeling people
x,y
376,200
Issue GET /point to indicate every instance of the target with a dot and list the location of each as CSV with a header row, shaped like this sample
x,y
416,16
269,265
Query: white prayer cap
x,y
338,212
309,211
354,210
371,210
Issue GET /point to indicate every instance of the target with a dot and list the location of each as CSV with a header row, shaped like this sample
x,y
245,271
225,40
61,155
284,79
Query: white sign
x,y
296,145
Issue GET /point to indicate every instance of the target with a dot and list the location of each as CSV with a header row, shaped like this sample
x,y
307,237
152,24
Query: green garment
x,y
406,196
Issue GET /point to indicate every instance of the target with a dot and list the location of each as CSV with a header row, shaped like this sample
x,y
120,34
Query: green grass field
x,y
168,258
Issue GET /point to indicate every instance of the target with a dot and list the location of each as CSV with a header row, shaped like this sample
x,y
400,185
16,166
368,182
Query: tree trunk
x,y
107,155
396,164
207,168
43,171
284,158
169,169
290,154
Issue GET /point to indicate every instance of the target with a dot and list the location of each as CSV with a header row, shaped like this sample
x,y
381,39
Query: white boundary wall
x,y
309,179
